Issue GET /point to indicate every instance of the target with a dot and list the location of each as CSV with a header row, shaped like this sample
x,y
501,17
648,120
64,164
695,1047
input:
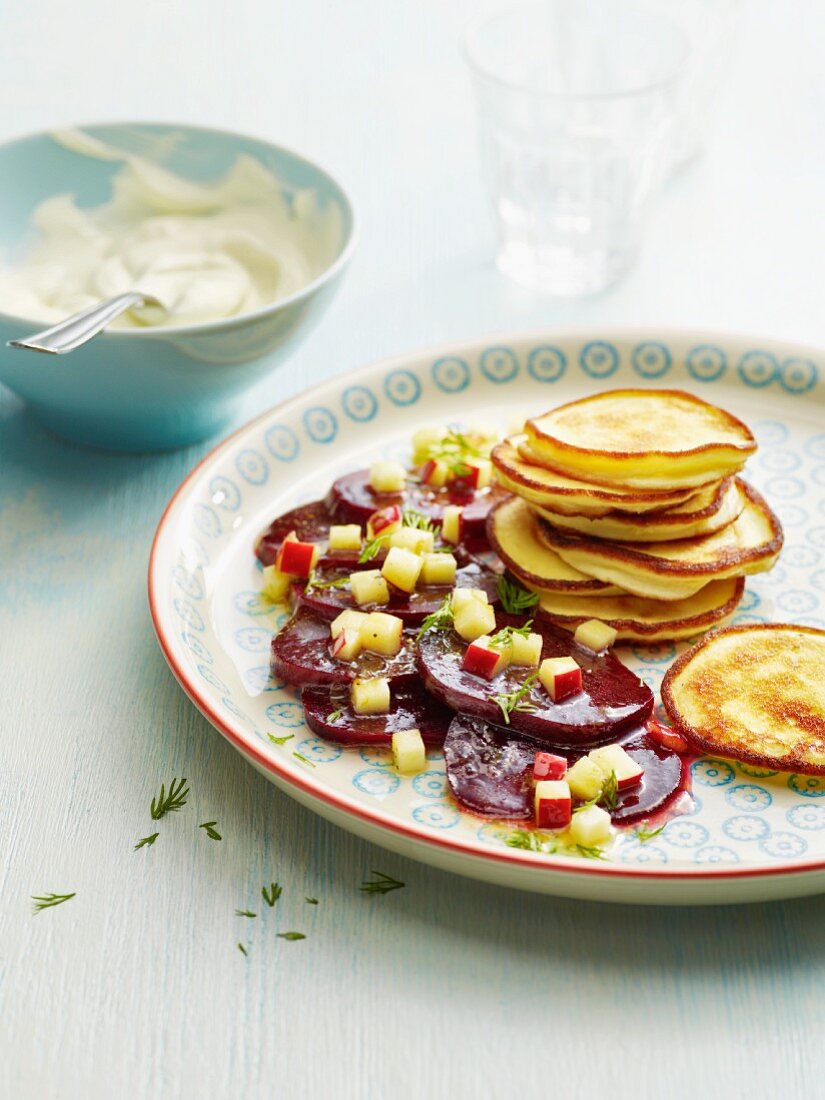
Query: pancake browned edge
x,y
706,742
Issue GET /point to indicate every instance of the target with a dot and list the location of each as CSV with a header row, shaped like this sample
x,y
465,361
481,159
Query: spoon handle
x,y
81,327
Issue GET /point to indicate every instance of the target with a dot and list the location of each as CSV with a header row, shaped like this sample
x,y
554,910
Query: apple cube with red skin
x,y
296,558
561,677
451,524
482,660
346,646
613,758
385,521
554,804
546,765
480,472
665,735
435,473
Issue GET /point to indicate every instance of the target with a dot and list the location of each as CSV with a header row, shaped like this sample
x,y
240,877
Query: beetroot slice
x,y
310,522
300,655
353,500
411,708
613,698
413,609
489,772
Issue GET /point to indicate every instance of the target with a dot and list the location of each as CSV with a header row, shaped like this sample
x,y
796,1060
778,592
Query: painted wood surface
x,y
136,987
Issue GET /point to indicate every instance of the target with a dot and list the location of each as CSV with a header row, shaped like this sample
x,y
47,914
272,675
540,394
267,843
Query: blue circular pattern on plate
x,y
233,707
376,782
745,828
642,853
783,845
451,375
288,716
818,475
546,363
715,853
784,488
430,784
499,365
253,639
815,446
685,834
206,520
748,798
252,603
796,601
252,466
712,773
377,755
402,387
260,679
798,375
320,424
818,579
197,647
213,679
599,359
359,403
282,443
651,359
757,368
801,557
658,653
437,815
769,433
750,600
706,363
780,462
810,817
318,751
224,493
816,535
809,786
190,615
753,772
189,583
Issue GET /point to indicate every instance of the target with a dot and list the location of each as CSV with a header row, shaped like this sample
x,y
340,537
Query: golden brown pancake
x,y
641,439
753,693
677,569
638,620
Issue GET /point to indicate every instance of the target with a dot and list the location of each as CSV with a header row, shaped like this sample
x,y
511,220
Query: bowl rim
x,y
160,332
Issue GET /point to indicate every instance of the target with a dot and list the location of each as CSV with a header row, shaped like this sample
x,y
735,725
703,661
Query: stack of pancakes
x,y
628,509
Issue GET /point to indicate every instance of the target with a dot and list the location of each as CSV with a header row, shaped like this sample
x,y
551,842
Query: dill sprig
x,y
314,585
643,834
504,636
590,851
271,895
291,936
440,619
515,599
510,702
382,884
333,716
608,796
211,831
166,803
311,901
242,949
412,518
146,841
245,913
280,740
453,450
304,760
47,901
531,841
372,548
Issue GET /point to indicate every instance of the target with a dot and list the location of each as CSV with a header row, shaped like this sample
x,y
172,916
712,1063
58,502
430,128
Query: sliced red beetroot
x,y
413,609
353,500
300,655
613,698
489,772
329,714
310,522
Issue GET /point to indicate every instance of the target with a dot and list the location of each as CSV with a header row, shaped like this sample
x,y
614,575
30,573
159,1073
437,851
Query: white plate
x,y
751,836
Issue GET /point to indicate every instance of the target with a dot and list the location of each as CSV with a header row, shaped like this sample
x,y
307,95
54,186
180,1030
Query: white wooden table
x,y
447,988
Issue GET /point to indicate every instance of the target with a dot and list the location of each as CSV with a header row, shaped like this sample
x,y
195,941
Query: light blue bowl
x,y
154,389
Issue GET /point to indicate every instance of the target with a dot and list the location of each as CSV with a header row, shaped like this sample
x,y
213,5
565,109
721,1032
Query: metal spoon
x,y
80,328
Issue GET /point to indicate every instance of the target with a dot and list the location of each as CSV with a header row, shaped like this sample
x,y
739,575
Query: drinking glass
x,y
577,100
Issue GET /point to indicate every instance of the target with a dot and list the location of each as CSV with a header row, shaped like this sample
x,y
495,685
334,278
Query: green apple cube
x,y
388,477
345,536
461,597
590,827
347,645
412,539
526,650
451,524
370,696
369,587
347,620
438,569
474,619
276,584
408,752
613,758
595,635
402,568
585,779
381,633
425,439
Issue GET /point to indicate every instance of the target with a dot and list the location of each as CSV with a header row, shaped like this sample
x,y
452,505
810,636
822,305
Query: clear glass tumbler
x,y
577,102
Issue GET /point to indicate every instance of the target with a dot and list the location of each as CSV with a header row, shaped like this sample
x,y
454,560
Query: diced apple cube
x,y
451,524
667,736
381,633
553,804
546,765
586,779
473,620
347,645
435,473
411,538
385,521
408,752
388,477
527,650
613,758
402,568
425,439
276,584
438,569
595,635
369,587
481,659
345,536
561,677
370,696
481,472
347,620
297,558
590,827
461,597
